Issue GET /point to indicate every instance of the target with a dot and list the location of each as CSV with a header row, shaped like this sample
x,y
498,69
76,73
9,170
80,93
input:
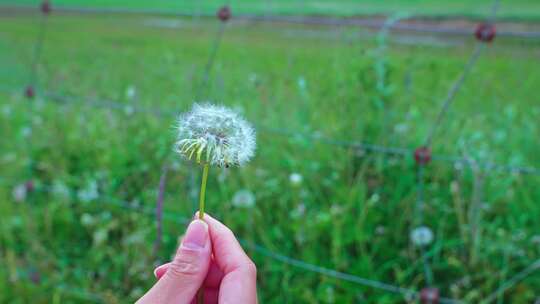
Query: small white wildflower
x,y
129,110
380,230
8,158
458,166
19,193
299,211
295,179
243,199
222,176
359,152
216,135
26,131
37,120
60,189
401,128
336,209
421,236
253,78
260,172
89,193
6,110
317,134
87,220
302,83
131,92
454,187
535,239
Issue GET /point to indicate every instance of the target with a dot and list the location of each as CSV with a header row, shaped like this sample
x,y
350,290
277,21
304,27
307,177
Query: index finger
x,y
239,283
228,254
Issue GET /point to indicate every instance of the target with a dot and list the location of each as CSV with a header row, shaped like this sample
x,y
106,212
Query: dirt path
x,y
443,26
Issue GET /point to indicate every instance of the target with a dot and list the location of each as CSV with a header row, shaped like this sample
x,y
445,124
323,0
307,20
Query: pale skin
x,y
208,256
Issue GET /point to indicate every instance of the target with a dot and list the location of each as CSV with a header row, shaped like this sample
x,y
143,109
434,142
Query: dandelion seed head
x,y
421,236
243,199
19,193
216,135
295,179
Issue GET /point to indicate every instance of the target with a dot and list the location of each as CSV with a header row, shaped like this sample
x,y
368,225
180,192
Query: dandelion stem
x,y
203,190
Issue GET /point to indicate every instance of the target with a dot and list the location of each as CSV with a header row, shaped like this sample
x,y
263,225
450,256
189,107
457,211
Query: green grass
x,y
515,9
357,209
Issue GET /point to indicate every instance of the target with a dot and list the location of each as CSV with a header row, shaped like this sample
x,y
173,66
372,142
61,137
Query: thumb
x,y
187,271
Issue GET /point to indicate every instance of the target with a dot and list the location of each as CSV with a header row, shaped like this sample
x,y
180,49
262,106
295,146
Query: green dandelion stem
x,y
203,190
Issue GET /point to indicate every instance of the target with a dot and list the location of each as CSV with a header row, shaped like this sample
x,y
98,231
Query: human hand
x,y
209,257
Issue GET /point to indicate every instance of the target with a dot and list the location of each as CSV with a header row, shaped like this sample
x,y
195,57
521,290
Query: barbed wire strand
x,y
444,109
210,62
461,79
453,92
419,220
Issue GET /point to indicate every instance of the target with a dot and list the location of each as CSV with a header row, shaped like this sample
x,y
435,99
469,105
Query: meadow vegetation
x,y
80,234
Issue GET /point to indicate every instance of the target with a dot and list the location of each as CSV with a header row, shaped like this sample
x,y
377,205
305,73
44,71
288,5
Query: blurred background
x,y
397,157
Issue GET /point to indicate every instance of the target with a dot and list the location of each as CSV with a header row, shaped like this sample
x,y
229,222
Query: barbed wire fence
x,y
422,155
484,34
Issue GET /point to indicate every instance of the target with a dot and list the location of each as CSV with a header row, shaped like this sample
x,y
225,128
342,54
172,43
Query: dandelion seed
x,y
295,179
214,135
243,199
421,236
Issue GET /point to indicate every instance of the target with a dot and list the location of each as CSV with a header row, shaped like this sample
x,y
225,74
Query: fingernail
x,y
196,235
157,271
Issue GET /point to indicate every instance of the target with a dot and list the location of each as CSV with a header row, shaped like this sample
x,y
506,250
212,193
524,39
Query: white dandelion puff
x,y
89,193
421,236
215,135
131,92
19,193
295,179
243,199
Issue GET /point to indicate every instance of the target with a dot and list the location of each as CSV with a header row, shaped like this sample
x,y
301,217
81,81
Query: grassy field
x,y
79,236
515,9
